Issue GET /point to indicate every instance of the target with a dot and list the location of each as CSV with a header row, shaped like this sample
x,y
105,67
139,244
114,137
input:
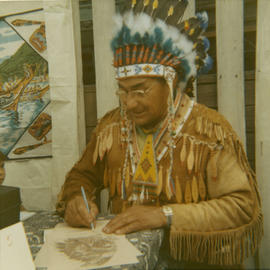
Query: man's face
x,y
145,100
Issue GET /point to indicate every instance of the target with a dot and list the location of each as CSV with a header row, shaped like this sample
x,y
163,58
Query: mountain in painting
x,y
13,67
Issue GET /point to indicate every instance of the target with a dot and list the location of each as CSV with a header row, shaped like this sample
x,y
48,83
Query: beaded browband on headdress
x,y
150,39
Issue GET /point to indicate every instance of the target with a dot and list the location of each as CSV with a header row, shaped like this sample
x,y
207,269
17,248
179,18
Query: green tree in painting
x,y
13,67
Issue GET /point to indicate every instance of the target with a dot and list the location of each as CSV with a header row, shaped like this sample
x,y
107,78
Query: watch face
x,y
167,211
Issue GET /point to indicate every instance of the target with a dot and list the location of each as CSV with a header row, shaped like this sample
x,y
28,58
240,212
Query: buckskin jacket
x,y
217,212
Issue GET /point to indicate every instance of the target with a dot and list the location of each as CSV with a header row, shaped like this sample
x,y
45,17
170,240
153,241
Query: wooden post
x,y
190,11
262,119
103,11
230,63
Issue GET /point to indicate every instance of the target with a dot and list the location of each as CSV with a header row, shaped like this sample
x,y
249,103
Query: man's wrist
x,y
168,212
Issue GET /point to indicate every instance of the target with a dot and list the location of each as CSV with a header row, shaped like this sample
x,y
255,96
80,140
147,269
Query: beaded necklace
x,y
169,130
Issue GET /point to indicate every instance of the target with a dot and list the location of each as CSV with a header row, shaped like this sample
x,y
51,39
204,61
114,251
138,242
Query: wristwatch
x,y
168,212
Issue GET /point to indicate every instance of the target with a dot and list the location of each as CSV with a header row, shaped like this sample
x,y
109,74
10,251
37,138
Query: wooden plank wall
x,y
90,109
263,123
207,94
207,84
87,42
106,85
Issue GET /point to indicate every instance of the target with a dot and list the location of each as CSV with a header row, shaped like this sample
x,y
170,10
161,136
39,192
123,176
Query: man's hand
x,y
136,218
76,214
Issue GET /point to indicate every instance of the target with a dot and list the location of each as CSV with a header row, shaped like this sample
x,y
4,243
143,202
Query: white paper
x,y
25,215
14,249
80,249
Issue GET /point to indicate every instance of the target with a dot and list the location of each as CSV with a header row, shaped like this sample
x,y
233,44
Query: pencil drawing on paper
x,y
91,250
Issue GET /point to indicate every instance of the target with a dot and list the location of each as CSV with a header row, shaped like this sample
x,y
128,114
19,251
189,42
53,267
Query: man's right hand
x,y
76,213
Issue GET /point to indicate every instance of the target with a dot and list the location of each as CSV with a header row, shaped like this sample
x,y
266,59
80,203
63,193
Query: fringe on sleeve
x,y
228,247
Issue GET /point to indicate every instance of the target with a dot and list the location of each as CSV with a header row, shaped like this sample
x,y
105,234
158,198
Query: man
x,y
167,161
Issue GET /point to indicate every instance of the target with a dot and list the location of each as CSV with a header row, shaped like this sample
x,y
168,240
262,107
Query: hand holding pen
x,y
87,206
76,212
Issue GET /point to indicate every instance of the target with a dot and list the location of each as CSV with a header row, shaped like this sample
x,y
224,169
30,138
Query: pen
x,y
87,205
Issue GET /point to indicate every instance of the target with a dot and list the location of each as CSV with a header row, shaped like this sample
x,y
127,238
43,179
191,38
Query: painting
x,y
25,114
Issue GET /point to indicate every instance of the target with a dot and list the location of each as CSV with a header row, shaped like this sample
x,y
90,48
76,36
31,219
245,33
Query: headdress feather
x,y
159,35
146,3
133,3
155,4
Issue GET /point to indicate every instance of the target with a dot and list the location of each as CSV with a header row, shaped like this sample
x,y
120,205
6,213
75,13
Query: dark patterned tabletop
x,y
148,242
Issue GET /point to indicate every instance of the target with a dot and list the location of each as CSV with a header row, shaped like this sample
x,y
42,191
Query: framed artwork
x,y
40,85
25,114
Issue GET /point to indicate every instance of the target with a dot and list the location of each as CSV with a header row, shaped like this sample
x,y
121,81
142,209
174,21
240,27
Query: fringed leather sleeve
x,y
89,170
83,173
228,225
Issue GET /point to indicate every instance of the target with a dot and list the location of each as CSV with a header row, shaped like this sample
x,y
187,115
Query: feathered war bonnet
x,y
151,39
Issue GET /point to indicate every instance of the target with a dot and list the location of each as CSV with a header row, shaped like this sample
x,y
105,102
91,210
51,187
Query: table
x,y
148,242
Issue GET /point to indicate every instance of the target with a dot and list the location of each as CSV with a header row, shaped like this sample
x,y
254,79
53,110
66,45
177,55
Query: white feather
x,y
191,57
204,16
172,33
183,44
118,24
178,39
128,19
159,23
142,24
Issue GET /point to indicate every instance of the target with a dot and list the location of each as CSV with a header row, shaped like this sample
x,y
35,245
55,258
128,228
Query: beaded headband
x,y
150,38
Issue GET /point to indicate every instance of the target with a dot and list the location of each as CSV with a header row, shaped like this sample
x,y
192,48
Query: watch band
x,y
168,212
